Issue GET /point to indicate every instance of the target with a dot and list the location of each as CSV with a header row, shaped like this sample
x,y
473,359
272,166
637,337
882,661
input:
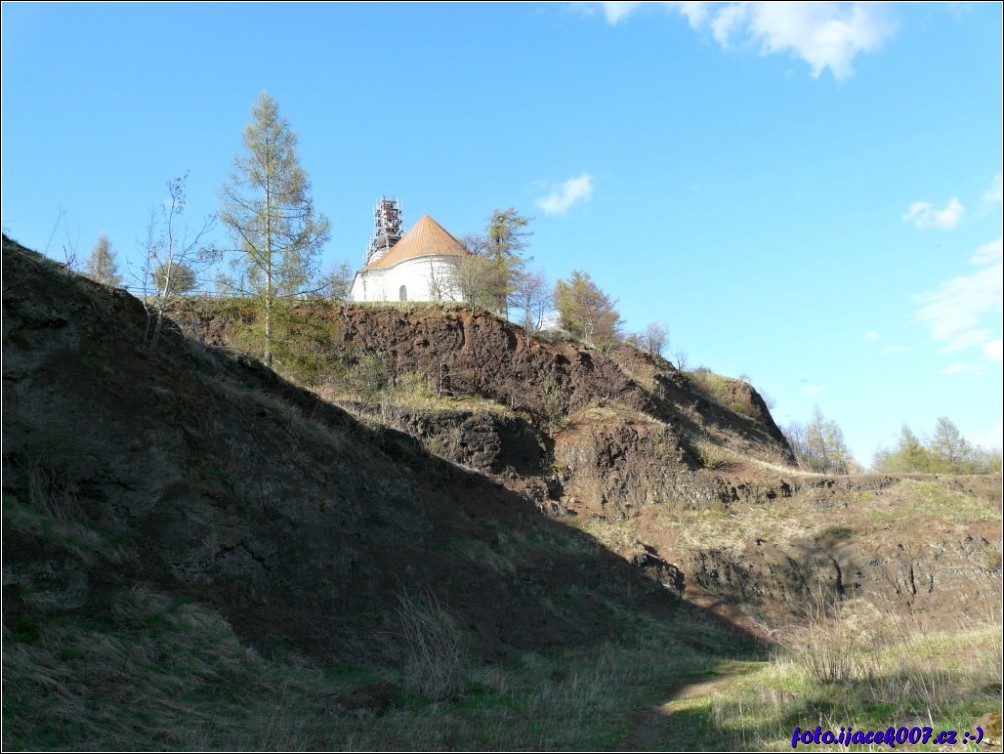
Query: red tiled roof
x,y
426,238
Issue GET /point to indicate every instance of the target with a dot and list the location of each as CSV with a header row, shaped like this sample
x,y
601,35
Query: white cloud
x,y
872,335
924,215
560,200
988,253
616,11
994,194
813,389
823,34
957,311
962,368
992,351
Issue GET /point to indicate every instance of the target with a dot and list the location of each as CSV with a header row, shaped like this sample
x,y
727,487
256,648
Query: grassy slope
x,y
860,663
153,671
157,673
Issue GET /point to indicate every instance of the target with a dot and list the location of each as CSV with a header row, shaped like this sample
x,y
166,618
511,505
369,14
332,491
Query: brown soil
x,y
468,353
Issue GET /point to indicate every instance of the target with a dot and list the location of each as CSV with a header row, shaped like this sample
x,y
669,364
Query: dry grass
x,y
913,498
610,411
618,536
868,670
406,396
709,455
153,673
437,653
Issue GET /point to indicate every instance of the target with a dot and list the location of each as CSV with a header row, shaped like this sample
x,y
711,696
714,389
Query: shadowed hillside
x,y
186,487
220,481
494,541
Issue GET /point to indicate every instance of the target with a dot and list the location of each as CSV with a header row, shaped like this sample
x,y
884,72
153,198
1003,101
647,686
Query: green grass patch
x,y
833,534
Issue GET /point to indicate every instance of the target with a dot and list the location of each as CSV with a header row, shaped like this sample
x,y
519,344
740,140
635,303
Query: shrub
x,y
369,375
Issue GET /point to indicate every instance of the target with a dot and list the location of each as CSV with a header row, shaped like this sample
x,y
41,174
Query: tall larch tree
x,y
505,238
100,265
586,311
268,208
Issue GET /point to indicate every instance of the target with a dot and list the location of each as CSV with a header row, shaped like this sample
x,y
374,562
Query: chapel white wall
x,y
415,274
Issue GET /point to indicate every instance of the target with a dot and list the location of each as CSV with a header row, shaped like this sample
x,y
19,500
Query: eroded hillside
x,y
684,474
433,532
210,477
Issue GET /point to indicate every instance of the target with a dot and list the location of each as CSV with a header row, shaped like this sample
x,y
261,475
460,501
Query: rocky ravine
x,y
621,447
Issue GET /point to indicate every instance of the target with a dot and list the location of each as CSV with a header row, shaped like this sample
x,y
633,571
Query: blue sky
x,y
807,194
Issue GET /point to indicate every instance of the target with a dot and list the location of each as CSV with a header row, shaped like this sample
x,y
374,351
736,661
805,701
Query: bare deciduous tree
x,y
656,338
70,244
533,299
478,281
174,254
336,285
443,283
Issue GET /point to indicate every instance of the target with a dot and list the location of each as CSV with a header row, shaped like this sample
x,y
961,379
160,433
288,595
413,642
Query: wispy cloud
x,y
616,11
992,351
988,253
561,199
925,215
957,312
872,335
994,195
824,35
962,368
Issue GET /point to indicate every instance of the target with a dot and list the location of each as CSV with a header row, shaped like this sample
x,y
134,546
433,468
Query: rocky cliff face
x,y
465,353
673,475
208,477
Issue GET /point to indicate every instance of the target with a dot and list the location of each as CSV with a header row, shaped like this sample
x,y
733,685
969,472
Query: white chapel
x,y
417,266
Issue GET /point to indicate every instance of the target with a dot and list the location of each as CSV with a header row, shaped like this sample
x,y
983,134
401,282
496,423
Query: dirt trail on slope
x,y
653,725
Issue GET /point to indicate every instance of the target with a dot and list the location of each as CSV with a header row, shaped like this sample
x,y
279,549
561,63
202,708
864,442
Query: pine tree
x,y
947,452
100,265
268,208
910,456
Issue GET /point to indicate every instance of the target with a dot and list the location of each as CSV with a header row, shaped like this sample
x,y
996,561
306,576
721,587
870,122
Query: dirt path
x,y
651,727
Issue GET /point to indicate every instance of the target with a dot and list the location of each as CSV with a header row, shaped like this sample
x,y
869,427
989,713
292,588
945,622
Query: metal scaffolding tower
x,y
386,228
